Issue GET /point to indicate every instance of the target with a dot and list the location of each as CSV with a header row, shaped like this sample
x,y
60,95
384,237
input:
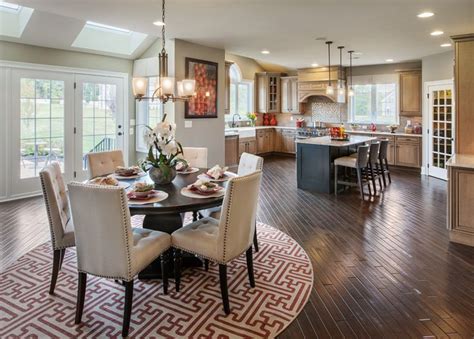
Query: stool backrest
x,y
374,152
383,149
362,156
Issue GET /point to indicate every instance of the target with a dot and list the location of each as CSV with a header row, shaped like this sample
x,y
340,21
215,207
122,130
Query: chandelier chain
x,y
163,37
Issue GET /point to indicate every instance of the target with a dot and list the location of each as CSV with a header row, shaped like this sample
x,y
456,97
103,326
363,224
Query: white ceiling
x,y
380,29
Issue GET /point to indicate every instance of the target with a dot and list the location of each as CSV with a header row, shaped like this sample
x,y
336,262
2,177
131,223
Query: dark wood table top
x,y
176,202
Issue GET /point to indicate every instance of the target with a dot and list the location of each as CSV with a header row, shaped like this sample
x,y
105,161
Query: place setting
x,y
203,189
182,167
217,174
144,193
109,180
128,173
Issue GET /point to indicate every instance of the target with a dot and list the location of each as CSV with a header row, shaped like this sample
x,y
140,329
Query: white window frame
x,y
375,80
237,80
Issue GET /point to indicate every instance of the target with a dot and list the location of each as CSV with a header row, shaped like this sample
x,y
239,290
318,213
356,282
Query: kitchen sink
x,y
244,132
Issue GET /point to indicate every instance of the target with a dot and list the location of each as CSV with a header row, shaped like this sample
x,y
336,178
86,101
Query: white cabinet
x,y
289,95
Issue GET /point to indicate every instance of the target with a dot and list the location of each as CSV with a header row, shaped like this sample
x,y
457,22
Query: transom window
x,y
241,93
375,100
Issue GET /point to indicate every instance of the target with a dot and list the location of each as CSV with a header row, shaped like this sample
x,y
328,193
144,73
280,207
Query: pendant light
x,y
351,90
166,85
329,88
340,83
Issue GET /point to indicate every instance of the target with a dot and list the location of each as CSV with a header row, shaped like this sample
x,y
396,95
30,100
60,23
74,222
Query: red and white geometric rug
x,y
283,274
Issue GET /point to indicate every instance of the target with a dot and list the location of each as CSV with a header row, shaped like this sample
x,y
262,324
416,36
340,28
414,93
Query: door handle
x,y
119,133
119,126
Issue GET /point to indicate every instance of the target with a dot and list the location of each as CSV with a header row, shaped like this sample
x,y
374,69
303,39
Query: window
x,y
241,93
375,100
149,113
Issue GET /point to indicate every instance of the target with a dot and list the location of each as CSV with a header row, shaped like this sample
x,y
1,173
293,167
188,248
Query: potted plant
x,y
163,152
252,117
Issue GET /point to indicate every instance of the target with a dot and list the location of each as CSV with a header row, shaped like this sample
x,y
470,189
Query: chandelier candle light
x,y
329,88
165,89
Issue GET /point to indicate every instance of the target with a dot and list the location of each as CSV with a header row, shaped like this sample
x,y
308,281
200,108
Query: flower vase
x,y
162,175
273,121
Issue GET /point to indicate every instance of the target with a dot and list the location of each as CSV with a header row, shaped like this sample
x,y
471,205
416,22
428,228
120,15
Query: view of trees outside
x,y
41,124
374,103
154,107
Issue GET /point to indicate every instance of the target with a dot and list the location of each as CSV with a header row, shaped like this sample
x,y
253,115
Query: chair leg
x,y
164,270
224,291
335,179
81,293
388,171
255,240
177,268
56,266
250,266
359,181
195,216
63,253
127,310
206,265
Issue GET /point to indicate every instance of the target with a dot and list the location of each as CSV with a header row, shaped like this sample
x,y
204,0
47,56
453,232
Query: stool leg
x,y
373,179
335,179
388,171
359,181
366,170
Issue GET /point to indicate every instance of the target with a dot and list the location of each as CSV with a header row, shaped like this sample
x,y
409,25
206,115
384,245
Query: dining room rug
x,y
283,274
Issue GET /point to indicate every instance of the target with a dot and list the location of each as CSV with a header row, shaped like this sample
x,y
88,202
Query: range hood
x,y
313,82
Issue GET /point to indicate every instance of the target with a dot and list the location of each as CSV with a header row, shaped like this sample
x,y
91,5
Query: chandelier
x,y
165,86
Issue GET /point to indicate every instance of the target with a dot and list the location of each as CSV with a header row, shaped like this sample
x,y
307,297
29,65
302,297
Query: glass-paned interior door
x,y
43,111
441,108
99,118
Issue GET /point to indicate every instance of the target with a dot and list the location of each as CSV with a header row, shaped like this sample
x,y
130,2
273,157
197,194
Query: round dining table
x,y
167,215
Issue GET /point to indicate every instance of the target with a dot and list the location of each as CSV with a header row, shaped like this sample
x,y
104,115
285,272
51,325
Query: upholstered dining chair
x,y
248,163
106,244
225,239
195,156
59,216
103,163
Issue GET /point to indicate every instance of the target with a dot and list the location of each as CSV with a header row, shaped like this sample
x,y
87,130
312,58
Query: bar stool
x,y
383,162
373,165
358,163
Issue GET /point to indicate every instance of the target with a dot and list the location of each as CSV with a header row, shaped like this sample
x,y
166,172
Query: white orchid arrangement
x,y
163,149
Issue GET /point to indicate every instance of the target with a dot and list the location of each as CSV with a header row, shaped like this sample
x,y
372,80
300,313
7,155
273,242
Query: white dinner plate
x,y
157,197
190,194
136,176
227,176
189,170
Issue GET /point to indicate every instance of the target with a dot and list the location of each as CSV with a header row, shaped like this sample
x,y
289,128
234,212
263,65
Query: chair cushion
x,y
214,212
346,161
199,237
147,246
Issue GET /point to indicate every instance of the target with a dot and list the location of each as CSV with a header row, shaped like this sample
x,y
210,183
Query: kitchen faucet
x,y
233,121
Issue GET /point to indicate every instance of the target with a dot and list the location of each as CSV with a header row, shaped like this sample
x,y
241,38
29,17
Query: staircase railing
x,y
106,144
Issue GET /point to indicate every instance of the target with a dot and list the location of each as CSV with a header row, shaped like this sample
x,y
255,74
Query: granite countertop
x,y
326,141
461,160
398,134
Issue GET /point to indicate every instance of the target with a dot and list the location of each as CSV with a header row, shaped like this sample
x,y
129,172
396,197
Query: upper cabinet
x,y
410,93
289,95
268,92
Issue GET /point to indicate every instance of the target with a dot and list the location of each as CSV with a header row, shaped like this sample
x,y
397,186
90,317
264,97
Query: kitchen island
x,y
315,160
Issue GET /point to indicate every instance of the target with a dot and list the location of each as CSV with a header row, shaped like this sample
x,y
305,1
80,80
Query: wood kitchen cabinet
x,y
408,152
232,147
227,87
288,141
265,141
289,95
410,93
247,145
277,140
268,92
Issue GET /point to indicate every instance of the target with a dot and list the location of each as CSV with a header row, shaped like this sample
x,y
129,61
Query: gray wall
x,y
204,132
438,67
11,51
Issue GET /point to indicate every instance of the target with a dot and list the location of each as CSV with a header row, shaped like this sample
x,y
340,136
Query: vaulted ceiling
x,y
379,29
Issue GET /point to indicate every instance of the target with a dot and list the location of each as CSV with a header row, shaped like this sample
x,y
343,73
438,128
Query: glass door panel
x,y
441,108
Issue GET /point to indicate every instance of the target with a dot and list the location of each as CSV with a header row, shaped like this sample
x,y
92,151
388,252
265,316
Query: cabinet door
x,y
269,140
410,93
261,141
286,103
251,147
261,94
242,147
295,107
227,87
408,154
391,153
277,143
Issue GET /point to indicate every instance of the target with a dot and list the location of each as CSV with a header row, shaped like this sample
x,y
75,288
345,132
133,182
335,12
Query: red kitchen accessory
x,y
266,122
273,121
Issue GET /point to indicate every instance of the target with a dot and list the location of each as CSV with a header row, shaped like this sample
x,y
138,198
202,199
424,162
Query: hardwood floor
x,y
381,268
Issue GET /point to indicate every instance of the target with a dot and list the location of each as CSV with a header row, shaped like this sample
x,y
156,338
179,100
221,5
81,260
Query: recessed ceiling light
x,y
425,15
314,65
446,45
436,33
158,23
265,51
388,60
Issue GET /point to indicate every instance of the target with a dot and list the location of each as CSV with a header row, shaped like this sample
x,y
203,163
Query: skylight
x,y
101,37
13,19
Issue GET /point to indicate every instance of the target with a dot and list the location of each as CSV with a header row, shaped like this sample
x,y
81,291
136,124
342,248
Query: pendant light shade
x,y
329,88
350,92
341,91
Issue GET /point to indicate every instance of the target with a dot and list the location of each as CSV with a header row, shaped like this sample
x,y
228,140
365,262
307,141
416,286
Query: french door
x,y
441,128
60,116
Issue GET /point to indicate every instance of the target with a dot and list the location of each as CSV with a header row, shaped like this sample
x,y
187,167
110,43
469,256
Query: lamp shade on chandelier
x,y
329,88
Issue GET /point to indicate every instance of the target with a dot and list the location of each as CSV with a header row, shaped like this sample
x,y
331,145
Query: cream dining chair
x,y
195,156
248,163
106,244
59,216
223,240
103,163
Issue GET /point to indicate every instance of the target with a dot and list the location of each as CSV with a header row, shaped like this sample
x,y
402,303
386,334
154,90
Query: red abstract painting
x,y
204,103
